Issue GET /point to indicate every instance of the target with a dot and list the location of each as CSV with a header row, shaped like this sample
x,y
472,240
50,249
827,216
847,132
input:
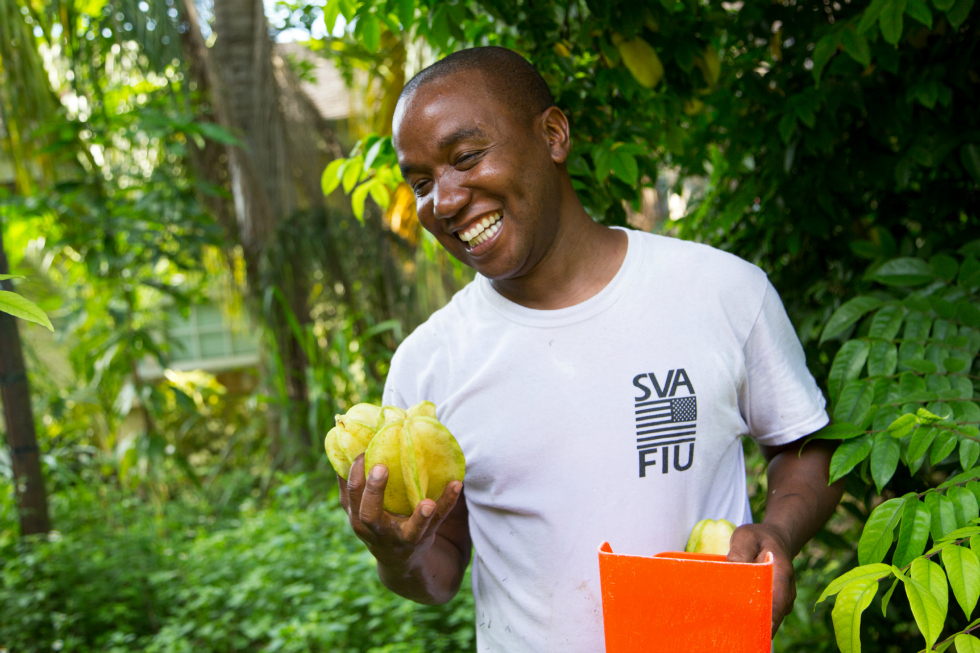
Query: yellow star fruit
x,y
710,536
422,457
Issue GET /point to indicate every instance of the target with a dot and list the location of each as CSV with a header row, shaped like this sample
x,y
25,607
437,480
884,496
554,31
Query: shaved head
x,y
508,76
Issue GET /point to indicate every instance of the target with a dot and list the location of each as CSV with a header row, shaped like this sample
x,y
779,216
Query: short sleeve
x,y
779,399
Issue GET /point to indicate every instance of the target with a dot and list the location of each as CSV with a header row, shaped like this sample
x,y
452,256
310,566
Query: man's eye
x,y
419,187
468,158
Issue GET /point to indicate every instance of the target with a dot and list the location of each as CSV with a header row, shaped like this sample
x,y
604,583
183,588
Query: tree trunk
x,y
32,499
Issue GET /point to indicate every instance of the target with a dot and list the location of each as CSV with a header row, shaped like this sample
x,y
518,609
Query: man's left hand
x,y
750,543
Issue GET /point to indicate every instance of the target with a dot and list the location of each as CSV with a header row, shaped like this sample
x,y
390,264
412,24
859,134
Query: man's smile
x,y
481,231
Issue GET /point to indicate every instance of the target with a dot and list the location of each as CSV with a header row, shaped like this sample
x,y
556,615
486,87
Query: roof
x,y
328,93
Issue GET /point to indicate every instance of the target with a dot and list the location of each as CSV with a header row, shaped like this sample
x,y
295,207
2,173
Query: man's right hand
x,y
422,556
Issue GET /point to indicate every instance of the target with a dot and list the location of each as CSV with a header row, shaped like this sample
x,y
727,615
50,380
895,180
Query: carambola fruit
x,y
421,455
641,60
351,436
710,536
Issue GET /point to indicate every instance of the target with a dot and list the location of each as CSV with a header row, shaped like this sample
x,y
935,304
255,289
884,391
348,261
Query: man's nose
x,y
450,198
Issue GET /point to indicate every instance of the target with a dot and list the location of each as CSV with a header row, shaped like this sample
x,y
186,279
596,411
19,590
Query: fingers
x,y
745,547
355,487
429,514
344,494
783,592
371,510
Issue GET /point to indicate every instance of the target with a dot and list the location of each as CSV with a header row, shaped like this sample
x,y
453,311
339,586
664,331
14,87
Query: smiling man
x,y
599,380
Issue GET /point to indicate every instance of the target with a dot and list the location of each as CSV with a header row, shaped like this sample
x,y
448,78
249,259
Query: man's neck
x,y
581,262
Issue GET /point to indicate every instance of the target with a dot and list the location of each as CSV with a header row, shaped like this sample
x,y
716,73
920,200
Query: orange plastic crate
x,y
685,602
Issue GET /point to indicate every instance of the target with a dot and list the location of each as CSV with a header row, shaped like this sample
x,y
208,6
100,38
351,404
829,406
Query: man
x,y
597,379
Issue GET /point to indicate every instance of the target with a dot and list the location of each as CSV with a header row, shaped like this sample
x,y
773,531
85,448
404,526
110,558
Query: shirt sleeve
x,y
779,399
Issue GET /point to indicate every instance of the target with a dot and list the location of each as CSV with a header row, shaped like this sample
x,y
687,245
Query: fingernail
x,y
426,510
378,472
457,486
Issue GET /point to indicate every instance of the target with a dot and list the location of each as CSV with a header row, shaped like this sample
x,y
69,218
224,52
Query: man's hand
x,y
421,557
798,504
750,543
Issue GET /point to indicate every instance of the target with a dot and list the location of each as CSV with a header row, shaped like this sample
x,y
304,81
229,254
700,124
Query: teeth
x,y
482,230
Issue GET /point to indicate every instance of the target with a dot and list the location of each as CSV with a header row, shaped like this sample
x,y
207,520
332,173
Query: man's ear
x,y
554,127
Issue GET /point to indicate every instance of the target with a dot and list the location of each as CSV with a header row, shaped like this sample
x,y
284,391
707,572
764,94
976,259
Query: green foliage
x,y
21,307
288,577
903,394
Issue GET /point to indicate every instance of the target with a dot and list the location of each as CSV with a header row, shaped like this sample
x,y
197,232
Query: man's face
x,y
486,181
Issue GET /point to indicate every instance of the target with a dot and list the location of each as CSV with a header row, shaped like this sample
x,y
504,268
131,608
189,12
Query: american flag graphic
x,y
666,421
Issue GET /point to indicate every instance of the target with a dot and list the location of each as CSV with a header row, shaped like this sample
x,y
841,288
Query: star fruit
x,y
421,455
351,436
710,536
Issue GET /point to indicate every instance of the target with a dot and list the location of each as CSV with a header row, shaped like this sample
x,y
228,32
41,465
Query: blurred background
x,y
201,196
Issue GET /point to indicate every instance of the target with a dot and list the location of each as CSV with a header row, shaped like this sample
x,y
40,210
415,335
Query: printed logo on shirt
x,y
666,421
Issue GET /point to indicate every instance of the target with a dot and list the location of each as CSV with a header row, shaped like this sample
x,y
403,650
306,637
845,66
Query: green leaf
x,y
964,476
944,266
884,460
849,313
963,568
353,169
406,13
370,31
969,273
5,277
918,325
602,158
873,572
870,16
848,455
925,417
929,616
856,45
913,533
919,444
887,322
847,366
824,50
921,365
379,193
624,166
905,271
331,176
930,575
855,403
943,515
919,10
838,431
963,386
943,446
903,425
878,533
944,5
964,505
852,601
957,15
888,597
969,452
358,198
373,152
965,643
23,308
957,534
882,359
891,20
954,365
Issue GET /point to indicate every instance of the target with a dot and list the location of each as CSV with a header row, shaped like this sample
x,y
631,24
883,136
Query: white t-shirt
x,y
616,419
